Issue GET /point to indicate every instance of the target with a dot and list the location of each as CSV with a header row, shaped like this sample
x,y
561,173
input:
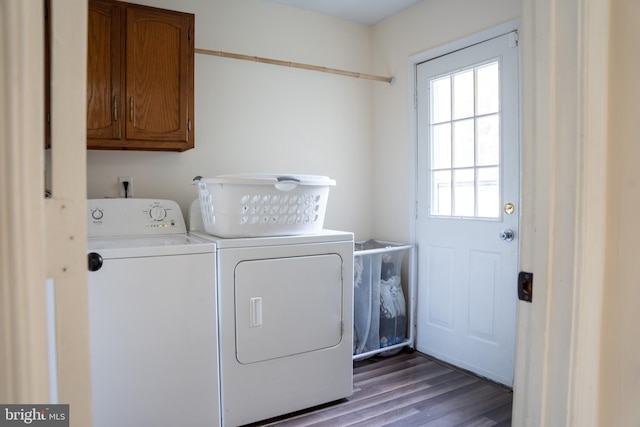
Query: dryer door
x,y
287,306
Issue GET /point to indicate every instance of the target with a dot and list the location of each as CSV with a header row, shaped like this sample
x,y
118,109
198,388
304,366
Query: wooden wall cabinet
x,y
139,77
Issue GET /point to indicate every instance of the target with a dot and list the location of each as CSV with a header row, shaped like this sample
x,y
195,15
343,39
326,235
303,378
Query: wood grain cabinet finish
x,y
104,66
139,77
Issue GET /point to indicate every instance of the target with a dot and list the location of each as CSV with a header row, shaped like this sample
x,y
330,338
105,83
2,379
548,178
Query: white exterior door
x,y
468,207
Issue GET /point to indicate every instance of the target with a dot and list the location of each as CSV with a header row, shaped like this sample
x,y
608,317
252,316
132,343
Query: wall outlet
x,y
125,190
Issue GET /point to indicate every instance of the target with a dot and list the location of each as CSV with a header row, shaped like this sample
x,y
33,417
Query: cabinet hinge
x,y
189,36
189,125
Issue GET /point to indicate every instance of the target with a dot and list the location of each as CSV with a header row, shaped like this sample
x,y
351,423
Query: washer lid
x,y
141,246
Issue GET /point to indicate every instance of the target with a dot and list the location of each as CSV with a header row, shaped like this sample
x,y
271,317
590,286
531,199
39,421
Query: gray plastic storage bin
x,y
380,307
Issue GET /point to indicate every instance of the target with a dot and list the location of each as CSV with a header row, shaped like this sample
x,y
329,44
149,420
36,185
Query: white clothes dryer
x,y
285,322
152,317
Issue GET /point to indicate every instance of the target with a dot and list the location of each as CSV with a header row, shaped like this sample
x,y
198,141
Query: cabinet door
x,y
159,78
104,75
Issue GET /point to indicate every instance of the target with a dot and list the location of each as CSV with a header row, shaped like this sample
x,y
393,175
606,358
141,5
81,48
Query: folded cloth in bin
x,y
393,318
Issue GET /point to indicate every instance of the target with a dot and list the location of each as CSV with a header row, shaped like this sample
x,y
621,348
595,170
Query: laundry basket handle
x,y
287,183
287,178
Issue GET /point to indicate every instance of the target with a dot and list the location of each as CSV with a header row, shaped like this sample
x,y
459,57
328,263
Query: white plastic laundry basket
x,y
263,204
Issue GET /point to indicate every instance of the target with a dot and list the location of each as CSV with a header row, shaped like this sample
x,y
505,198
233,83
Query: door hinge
x,y
415,100
513,38
416,210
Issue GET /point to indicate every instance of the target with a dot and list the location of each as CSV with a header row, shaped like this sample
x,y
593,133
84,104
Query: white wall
x,y
427,25
254,117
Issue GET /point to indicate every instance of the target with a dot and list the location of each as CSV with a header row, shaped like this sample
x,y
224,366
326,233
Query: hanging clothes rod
x,y
390,80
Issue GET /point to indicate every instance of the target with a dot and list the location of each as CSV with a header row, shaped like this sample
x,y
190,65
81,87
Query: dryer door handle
x,y
255,312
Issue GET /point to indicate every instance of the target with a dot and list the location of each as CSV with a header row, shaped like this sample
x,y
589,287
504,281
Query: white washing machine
x,y
152,317
285,322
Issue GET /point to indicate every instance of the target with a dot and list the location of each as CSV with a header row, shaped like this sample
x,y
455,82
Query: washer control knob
x,y
158,213
97,214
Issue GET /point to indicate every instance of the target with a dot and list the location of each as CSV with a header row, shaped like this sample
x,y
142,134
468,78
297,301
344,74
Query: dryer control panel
x,y
133,217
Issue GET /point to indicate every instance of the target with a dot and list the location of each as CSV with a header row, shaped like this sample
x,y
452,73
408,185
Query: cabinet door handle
x,y
131,109
115,108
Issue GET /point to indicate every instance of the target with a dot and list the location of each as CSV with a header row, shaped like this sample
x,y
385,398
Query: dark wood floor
x,y
409,390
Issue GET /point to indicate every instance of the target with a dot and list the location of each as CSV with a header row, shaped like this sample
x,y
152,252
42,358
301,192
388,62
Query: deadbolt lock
x,y
509,208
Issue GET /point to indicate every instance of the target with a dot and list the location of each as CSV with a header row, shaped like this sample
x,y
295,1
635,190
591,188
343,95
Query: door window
x,y
465,142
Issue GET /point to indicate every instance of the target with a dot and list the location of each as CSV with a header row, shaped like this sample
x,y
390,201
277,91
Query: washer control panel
x,y
133,217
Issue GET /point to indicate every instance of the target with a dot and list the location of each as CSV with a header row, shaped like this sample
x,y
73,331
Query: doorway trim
x,y
564,138
563,70
48,236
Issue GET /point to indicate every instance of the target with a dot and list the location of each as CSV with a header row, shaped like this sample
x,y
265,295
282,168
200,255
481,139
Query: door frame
x,y
564,84
48,238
